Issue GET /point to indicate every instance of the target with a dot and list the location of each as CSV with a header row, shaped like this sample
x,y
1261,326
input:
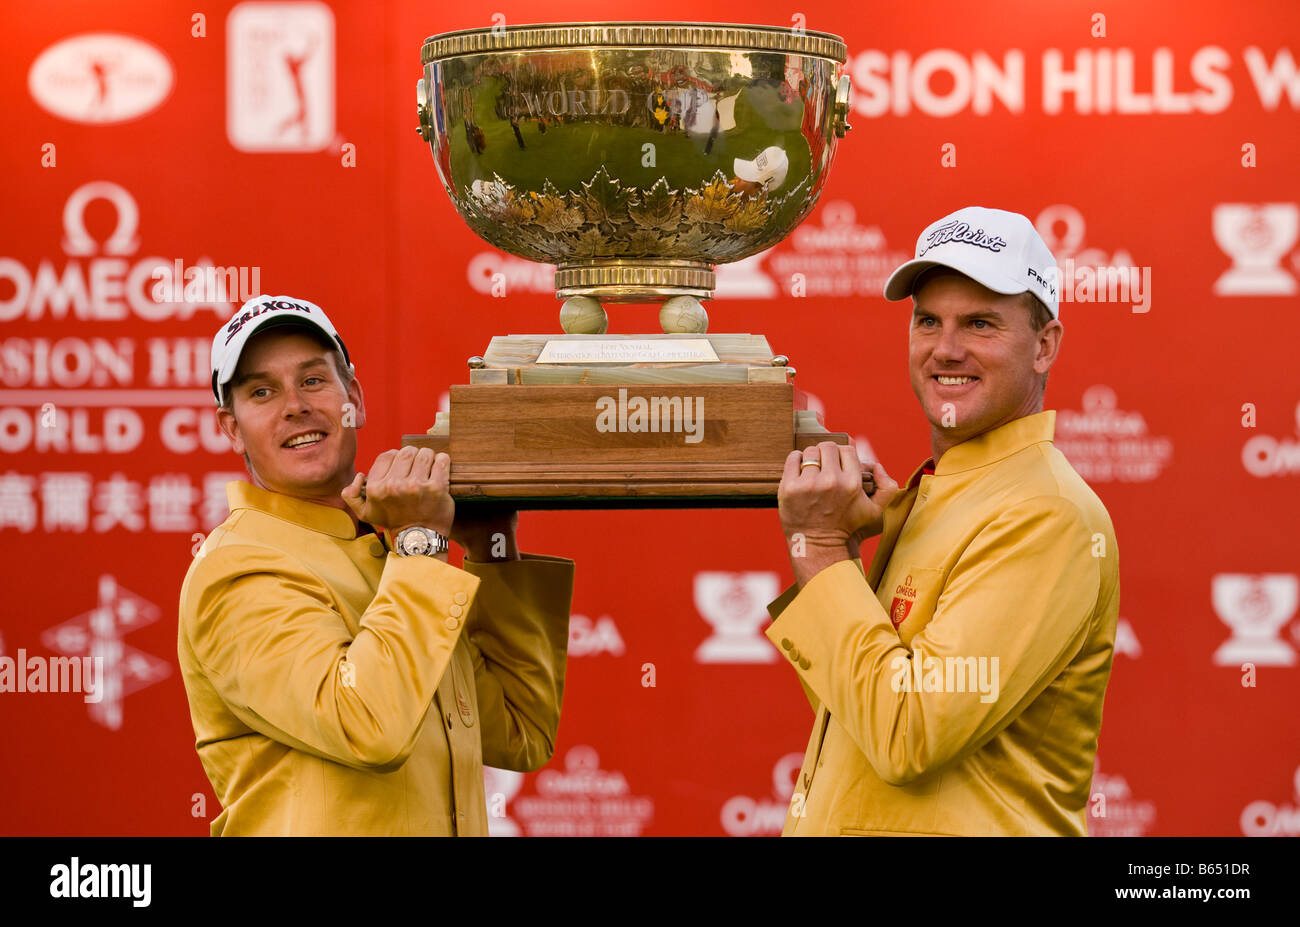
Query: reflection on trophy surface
x,y
635,157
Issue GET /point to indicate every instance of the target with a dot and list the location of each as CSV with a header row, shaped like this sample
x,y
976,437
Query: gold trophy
x,y
635,157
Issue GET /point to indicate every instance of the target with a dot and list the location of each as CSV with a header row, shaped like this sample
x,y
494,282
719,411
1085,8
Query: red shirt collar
x,y
927,469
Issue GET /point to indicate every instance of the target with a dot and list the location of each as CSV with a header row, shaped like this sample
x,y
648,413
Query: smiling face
x,y
288,411
975,360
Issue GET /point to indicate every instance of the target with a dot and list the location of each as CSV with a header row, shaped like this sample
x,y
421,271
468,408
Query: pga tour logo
x,y
280,77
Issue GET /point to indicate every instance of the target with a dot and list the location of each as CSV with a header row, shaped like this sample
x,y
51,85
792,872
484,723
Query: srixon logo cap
x,y
257,315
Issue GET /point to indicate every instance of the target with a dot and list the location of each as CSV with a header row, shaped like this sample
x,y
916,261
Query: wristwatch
x,y
416,541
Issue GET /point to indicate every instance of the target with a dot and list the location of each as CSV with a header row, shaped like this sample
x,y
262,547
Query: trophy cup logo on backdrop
x,y
1256,237
635,157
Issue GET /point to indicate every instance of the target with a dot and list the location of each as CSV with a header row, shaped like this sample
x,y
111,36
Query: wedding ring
x,y
809,463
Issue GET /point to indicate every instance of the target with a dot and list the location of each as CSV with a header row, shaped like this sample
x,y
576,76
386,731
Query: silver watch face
x,y
416,541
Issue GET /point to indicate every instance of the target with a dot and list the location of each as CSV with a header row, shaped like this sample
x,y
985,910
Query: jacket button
x,y
794,656
455,611
451,624
377,550
460,598
785,643
804,663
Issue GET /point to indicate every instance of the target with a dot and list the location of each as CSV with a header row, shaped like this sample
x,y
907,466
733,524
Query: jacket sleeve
x,y
775,608
1021,594
273,643
519,636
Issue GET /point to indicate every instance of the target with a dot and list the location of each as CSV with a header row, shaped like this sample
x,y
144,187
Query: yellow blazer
x,y
339,689
958,683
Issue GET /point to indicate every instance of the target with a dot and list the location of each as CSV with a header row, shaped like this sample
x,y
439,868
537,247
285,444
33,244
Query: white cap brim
x,y
901,281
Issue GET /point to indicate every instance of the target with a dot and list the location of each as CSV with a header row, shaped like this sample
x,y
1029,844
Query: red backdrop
x,y
1160,141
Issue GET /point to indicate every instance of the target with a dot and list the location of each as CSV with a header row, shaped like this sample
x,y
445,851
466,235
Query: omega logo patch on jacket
x,y
904,597
911,594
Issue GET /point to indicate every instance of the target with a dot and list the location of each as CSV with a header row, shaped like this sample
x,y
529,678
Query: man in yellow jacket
x,y
958,681
340,681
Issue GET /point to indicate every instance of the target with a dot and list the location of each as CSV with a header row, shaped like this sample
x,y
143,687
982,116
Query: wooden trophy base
x,y
615,425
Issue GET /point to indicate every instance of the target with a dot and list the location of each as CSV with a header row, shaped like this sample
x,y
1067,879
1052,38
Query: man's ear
x,y
358,400
230,428
1049,345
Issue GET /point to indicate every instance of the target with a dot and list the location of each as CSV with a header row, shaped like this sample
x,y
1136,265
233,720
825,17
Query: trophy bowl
x,y
633,156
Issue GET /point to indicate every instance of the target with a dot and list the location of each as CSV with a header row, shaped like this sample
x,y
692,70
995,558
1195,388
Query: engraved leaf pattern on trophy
x,y
608,218
715,203
660,209
556,216
750,217
606,202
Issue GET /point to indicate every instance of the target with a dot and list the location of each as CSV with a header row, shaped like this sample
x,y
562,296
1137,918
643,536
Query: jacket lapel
x,y
895,515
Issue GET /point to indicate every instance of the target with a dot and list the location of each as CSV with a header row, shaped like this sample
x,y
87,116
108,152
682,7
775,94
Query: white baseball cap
x,y
257,315
768,169
999,249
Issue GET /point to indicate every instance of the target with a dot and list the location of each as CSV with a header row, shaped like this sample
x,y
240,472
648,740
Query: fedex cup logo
x,y
1255,608
736,605
1256,237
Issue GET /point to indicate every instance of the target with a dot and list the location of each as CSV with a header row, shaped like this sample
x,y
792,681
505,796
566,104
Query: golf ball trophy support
x,y
635,157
